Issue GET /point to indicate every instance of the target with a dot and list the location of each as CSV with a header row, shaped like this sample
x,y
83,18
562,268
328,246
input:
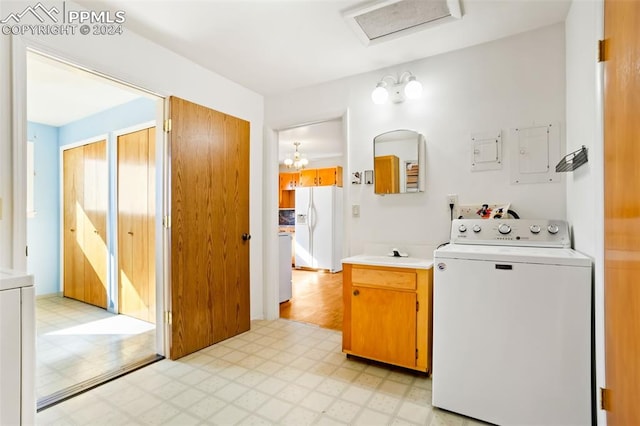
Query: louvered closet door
x,y
136,218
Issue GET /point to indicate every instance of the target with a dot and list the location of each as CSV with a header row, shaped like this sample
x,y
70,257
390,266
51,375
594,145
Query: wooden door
x,y
383,325
73,223
136,225
622,211
95,223
209,215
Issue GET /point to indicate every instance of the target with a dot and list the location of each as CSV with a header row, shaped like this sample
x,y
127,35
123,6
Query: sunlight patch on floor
x,y
117,325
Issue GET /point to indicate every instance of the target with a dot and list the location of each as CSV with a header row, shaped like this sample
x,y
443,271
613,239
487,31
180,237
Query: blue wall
x,y
43,231
126,115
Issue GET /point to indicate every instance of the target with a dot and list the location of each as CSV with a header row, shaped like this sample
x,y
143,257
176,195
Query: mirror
x,y
397,165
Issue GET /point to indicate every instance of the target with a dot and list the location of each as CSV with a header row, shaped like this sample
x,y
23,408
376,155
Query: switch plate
x,y
355,210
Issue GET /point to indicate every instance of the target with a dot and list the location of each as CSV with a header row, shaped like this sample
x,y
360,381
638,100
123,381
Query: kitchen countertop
x,y
398,262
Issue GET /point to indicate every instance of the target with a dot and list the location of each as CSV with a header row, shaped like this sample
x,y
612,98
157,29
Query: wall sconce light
x,y
404,86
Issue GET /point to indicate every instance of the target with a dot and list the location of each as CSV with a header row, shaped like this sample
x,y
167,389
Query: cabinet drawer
x,y
385,278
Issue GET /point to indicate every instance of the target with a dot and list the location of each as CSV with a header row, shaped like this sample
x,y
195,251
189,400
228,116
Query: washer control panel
x,y
511,232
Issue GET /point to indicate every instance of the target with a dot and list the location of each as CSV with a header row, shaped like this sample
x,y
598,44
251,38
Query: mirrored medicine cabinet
x,y
398,162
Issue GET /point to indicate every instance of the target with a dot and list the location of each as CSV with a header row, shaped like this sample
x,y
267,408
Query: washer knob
x,y
476,228
462,228
535,229
504,228
553,228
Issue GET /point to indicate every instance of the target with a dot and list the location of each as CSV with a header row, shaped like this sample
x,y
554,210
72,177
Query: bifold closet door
x,y
73,223
85,201
136,232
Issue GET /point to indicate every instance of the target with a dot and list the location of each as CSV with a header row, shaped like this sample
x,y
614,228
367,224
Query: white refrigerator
x,y
319,227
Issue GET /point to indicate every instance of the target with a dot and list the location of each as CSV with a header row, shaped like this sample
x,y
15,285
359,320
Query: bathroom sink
x,y
401,262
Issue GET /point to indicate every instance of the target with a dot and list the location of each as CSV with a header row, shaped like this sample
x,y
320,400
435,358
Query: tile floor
x,y
281,372
77,342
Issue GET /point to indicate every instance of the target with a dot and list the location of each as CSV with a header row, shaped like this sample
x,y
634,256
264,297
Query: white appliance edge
x,y
319,227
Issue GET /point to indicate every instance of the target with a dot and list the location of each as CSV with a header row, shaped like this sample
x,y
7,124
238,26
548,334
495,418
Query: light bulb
x,y
379,94
288,162
304,162
413,88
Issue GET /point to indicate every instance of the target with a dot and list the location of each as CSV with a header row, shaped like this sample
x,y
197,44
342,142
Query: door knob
x,y
356,292
246,237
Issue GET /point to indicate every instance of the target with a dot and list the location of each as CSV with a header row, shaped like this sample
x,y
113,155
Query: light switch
x,y
355,210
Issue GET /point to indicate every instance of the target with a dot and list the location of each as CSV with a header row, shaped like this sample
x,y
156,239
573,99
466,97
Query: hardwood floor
x,y
316,299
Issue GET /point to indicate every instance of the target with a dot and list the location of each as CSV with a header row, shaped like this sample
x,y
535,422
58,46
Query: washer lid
x,y
14,279
539,255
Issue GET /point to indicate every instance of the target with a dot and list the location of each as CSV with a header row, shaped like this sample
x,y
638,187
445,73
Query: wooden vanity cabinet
x,y
388,314
387,174
321,177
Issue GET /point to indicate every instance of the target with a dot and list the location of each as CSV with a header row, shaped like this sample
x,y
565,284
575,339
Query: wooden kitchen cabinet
x,y
287,195
321,177
388,314
387,174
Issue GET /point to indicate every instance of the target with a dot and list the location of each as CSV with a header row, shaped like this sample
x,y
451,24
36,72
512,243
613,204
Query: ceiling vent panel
x,y
388,19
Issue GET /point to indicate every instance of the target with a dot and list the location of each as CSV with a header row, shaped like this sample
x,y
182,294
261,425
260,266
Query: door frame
x,y
19,48
272,169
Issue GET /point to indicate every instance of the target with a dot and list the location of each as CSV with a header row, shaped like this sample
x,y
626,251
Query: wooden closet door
x,y
95,223
210,213
622,211
73,223
136,254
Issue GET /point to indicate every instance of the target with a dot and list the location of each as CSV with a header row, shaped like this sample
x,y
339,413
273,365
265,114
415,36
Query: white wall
x,y
498,85
585,186
138,61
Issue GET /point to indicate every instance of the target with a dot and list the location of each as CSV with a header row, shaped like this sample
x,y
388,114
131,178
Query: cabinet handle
x,y
320,180
356,292
95,231
130,233
246,237
72,230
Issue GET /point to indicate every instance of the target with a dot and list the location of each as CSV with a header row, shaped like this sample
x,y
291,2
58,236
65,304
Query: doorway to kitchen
x,y
310,216
91,226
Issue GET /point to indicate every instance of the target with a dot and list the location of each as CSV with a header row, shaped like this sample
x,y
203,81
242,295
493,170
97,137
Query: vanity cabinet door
x,y
388,314
383,325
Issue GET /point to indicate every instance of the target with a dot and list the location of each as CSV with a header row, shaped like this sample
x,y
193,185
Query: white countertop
x,y
398,262
10,278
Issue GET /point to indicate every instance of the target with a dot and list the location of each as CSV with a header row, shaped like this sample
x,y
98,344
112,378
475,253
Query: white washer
x,y
17,348
512,324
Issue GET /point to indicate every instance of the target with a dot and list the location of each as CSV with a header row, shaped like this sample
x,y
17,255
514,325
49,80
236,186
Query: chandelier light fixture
x,y
297,162
406,86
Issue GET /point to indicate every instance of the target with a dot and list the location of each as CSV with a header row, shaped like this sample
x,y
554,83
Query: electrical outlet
x,y
452,199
